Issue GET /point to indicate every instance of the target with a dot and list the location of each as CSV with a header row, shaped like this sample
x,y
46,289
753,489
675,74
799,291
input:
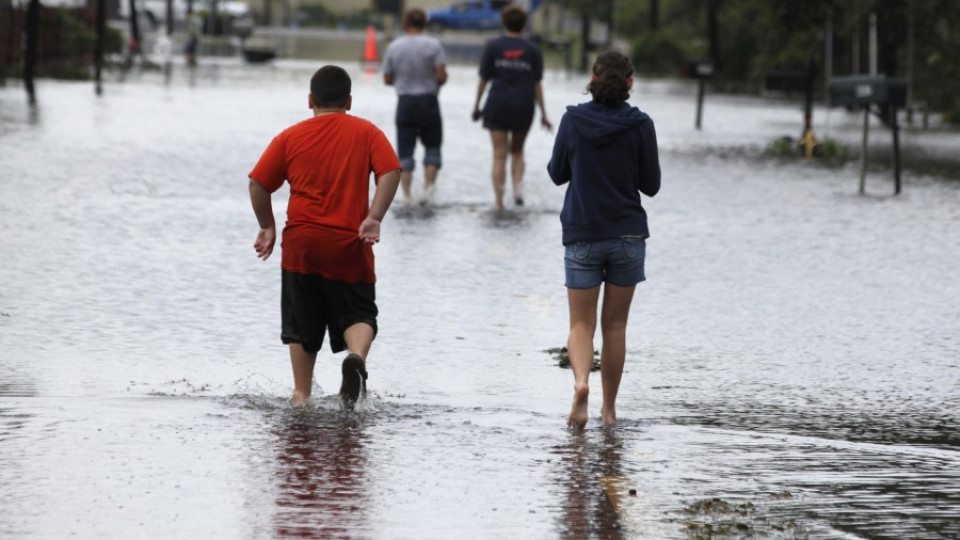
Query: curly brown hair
x,y
610,84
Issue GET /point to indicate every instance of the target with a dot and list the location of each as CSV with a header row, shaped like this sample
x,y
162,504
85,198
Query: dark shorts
x,y
419,117
511,116
513,127
311,305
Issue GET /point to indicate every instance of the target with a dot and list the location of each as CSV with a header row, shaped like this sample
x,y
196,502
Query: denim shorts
x,y
618,261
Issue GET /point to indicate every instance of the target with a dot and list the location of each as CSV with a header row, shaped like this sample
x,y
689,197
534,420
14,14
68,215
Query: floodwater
x,y
793,360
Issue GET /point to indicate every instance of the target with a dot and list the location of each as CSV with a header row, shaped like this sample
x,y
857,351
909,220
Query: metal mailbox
x,y
861,91
702,69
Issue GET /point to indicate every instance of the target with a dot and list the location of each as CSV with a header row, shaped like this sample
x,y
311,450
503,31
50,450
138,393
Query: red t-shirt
x,y
327,160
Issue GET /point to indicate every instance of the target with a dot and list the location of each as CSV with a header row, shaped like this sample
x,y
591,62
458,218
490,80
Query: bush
x,y
952,115
660,52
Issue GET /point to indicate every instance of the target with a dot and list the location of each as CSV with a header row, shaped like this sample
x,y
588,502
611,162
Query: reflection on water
x,y
592,476
321,485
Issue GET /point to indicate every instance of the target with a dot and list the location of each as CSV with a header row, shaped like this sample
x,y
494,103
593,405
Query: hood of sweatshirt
x,y
600,124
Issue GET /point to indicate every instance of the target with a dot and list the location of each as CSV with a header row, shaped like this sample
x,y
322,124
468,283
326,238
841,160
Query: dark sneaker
x,y
354,379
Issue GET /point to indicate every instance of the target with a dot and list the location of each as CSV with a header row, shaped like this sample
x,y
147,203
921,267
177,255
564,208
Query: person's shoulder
x,y
294,129
497,41
358,123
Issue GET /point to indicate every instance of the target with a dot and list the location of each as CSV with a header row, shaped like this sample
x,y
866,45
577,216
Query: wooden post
x,y
895,126
98,46
863,150
828,57
700,90
30,48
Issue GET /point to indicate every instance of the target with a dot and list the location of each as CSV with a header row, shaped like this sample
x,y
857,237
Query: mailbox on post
x,y
698,69
864,92
701,70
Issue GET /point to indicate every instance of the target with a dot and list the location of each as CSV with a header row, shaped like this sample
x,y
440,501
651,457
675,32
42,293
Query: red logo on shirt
x,y
513,54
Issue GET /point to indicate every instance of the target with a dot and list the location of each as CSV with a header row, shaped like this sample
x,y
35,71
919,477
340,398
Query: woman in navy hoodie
x,y
606,153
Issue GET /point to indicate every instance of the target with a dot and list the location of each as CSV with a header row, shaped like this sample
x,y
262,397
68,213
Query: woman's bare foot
x,y
608,415
299,400
578,412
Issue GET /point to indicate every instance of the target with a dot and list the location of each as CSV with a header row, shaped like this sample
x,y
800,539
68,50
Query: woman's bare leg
x,y
613,325
583,326
517,164
501,145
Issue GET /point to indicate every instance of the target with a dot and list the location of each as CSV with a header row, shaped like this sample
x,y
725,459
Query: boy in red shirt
x,y
327,254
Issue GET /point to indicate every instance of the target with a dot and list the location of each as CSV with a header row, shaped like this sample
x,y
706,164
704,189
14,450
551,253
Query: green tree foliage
x,y
756,36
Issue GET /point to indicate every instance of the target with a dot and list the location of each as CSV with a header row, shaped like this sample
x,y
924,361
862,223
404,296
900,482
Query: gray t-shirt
x,y
412,60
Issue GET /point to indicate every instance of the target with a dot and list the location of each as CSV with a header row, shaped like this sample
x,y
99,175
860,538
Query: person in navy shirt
x,y
513,66
606,153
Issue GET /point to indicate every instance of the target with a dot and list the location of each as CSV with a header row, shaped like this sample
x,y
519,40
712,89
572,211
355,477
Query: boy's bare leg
x,y
302,362
501,145
583,325
613,325
359,338
406,181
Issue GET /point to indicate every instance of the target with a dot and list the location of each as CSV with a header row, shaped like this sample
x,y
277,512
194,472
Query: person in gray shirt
x,y
415,65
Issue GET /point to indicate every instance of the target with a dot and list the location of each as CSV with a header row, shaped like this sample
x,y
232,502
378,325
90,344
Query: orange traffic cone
x,y
370,51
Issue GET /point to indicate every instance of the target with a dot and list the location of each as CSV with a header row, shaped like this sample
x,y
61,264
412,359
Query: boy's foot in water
x,y
354,383
299,400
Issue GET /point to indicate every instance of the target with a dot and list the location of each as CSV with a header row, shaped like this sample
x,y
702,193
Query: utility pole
x,y
98,46
30,48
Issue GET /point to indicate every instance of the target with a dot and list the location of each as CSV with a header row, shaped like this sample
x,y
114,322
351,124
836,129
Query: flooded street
x,y
793,360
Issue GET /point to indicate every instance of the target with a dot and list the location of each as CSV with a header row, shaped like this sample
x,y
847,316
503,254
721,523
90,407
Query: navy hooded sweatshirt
x,y
609,156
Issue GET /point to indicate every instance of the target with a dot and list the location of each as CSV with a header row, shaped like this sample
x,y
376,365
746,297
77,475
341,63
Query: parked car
x,y
467,14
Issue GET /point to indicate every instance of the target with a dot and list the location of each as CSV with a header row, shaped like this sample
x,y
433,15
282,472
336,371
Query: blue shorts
x,y
618,262
418,117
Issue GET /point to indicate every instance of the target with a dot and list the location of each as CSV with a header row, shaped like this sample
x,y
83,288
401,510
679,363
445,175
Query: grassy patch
x,y
715,519
563,358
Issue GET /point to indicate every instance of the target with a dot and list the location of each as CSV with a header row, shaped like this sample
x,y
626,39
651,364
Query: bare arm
x,y
388,79
476,104
441,71
382,197
543,109
263,209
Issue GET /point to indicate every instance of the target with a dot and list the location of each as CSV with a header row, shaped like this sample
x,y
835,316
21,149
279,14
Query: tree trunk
x,y
134,28
713,6
585,39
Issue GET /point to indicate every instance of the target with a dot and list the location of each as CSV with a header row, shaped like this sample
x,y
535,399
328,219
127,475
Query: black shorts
x,y
311,304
